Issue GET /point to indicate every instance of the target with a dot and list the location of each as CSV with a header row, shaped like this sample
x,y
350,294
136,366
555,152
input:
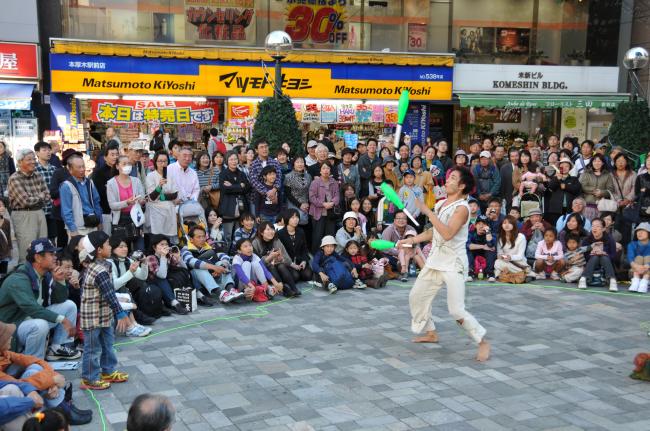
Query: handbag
x,y
607,205
213,195
126,231
632,213
512,277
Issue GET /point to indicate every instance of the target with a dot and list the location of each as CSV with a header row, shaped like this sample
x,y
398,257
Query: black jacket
x,y
506,182
58,177
642,193
297,248
557,200
100,177
229,194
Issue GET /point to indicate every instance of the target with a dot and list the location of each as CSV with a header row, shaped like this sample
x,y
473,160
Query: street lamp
x,y
278,44
636,59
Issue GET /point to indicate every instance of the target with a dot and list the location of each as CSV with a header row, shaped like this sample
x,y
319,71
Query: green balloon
x,y
382,244
391,195
402,106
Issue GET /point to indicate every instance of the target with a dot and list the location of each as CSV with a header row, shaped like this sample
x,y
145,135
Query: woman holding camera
x,y
159,262
561,188
163,196
123,192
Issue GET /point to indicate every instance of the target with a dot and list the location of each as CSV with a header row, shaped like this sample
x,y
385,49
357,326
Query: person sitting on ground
x,y
50,385
159,261
295,243
332,270
638,254
601,255
270,249
362,267
395,232
351,230
246,230
151,412
511,249
17,402
251,272
533,229
406,254
35,299
481,250
574,258
126,274
549,257
573,226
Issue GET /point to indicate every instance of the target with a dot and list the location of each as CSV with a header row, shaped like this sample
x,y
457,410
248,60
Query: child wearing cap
x,y
99,306
638,254
410,192
333,271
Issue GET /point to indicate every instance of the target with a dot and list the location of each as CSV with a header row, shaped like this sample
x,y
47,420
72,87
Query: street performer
x,y
446,263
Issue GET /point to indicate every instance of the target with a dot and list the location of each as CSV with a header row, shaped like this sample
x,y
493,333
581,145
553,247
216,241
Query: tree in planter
x,y
631,126
276,123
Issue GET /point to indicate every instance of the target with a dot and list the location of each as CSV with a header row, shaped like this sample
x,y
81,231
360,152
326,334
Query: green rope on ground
x,y
99,408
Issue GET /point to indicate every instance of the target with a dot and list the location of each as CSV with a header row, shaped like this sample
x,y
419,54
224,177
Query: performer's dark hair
x,y
466,179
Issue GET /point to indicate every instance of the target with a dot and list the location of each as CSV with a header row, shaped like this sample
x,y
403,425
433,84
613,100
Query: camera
x,y
174,249
137,255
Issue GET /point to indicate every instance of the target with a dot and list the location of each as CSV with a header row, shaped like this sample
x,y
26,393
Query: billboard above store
x,y
502,78
19,60
214,78
141,111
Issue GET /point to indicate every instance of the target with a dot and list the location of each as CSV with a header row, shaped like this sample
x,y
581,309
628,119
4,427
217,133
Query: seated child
x,y
355,207
405,254
549,256
252,273
638,254
481,250
334,271
474,212
574,259
362,267
246,230
516,213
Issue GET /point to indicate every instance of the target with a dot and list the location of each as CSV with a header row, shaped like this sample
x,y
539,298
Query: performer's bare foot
x,y
429,337
483,351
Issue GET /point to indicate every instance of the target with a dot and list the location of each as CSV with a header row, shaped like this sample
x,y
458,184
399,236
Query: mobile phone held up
x,y
165,172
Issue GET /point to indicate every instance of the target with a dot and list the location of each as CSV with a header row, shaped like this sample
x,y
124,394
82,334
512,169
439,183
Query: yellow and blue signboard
x,y
78,73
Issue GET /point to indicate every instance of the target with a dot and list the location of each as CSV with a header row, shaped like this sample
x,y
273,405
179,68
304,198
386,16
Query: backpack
x,y
149,300
338,273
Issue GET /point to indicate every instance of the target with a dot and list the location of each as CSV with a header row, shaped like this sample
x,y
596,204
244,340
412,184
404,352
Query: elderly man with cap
x,y
28,196
533,229
135,151
310,159
34,298
351,230
81,207
347,171
50,385
488,179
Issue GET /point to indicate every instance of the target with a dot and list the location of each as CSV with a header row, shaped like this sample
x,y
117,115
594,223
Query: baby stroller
x,y
190,214
529,202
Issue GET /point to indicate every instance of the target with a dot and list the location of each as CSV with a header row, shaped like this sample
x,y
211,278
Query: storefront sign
x,y
240,110
416,123
574,123
120,75
19,60
346,113
390,114
143,111
363,113
311,112
417,37
328,114
223,20
317,21
488,78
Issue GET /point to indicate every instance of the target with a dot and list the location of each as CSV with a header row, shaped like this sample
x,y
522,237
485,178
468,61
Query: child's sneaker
x,y
582,283
269,291
99,385
358,284
555,276
114,377
634,285
226,297
331,288
137,331
612,285
237,294
643,286
468,279
404,277
491,279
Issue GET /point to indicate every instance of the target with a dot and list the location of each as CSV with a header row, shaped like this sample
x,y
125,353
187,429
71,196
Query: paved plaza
x,y
560,361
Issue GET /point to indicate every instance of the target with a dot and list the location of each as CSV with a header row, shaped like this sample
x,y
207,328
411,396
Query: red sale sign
x,y
19,60
144,111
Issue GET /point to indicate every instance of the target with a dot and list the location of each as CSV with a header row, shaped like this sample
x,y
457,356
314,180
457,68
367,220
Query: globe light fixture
x,y
278,44
635,58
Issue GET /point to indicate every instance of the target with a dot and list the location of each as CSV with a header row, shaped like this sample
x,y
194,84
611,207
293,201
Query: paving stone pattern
x,y
561,360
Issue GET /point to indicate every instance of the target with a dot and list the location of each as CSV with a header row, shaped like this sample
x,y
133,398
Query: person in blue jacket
x,y
17,401
332,270
638,254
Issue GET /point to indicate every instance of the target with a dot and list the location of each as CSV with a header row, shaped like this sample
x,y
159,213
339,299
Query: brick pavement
x,y
344,362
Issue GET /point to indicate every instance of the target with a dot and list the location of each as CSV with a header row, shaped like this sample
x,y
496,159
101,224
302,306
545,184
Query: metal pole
x,y
278,78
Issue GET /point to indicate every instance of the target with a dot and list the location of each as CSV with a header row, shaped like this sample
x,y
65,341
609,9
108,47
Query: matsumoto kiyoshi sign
x,y
189,77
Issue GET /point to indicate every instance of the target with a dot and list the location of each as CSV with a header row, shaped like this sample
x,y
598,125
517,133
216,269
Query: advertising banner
x,y
416,123
19,60
328,114
417,37
317,22
188,77
222,20
144,111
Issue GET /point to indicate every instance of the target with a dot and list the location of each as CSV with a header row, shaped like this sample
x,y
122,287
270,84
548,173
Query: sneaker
x,y
634,285
237,294
358,284
99,385
643,286
555,276
179,309
582,283
205,301
137,331
540,275
331,288
114,377
613,287
404,277
492,279
469,279
226,297
269,291
62,352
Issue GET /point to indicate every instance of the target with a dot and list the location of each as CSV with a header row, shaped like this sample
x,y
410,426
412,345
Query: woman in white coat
x,y
123,192
511,249
163,196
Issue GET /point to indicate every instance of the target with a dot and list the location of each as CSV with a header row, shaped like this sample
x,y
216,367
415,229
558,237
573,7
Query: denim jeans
x,y
31,334
204,278
165,289
19,372
98,353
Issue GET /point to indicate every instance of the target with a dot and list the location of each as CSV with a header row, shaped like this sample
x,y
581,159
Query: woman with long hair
x,y
574,225
624,180
597,183
295,243
271,250
511,249
208,177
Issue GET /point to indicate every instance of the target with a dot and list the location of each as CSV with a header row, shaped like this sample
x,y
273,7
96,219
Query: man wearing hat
x,y
533,229
81,207
28,196
563,189
348,172
60,175
488,180
34,298
311,153
136,149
